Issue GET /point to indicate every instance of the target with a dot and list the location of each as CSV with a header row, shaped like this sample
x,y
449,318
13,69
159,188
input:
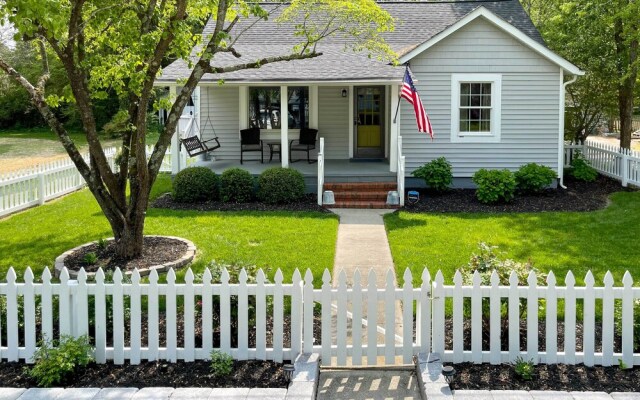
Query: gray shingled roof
x,y
417,22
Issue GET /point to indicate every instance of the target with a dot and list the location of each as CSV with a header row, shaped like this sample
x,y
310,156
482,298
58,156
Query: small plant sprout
x,y
525,369
90,258
102,243
221,364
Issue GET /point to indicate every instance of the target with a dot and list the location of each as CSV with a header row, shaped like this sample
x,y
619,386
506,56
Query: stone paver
x,y
229,394
590,396
267,394
78,394
550,395
191,393
511,395
472,395
154,393
41,394
116,394
625,396
11,393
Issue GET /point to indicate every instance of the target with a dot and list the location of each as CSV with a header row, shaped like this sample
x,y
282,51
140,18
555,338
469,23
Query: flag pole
x,y
399,94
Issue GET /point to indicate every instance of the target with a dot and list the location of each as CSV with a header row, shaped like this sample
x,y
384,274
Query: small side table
x,y
275,147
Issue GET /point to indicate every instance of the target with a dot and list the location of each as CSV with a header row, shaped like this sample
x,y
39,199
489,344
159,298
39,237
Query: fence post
x,y
41,193
625,167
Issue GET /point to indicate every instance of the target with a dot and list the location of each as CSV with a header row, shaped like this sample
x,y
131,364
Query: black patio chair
x,y
306,143
250,141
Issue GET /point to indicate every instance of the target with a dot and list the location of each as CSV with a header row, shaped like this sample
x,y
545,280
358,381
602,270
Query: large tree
x,y
111,45
601,36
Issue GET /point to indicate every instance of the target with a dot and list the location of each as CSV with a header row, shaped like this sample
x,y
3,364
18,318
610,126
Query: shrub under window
x,y
196,184
280,185
494,185
236,185
436,174
534,178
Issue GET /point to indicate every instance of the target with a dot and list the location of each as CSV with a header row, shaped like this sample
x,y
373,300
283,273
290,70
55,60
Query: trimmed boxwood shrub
x,y
280,185
436,174
533,178
236,185
581,170
494,185
196,184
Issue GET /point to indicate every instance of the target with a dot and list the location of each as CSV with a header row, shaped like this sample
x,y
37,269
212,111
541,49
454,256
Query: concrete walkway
x,y
156,393
362,243
368,385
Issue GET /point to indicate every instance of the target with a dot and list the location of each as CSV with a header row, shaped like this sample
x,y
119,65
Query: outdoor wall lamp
x,y
344,92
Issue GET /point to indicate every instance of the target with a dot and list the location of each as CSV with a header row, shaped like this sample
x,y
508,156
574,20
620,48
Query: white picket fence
x,y
609,160
34,186
360,322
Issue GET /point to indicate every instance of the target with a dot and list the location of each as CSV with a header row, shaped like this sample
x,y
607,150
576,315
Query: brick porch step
x,y
360,194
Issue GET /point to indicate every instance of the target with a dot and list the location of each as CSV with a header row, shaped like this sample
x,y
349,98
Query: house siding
x,y
333,122
530,102
220,103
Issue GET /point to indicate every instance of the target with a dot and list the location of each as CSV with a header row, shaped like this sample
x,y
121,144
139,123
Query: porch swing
x,y
192,143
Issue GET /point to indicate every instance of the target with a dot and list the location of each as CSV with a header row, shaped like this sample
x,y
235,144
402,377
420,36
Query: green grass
x,y
285,240
560,241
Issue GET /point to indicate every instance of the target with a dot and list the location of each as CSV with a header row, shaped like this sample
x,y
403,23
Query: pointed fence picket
x,y
360,320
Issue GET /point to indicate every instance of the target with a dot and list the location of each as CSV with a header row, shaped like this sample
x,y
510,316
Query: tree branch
x,y
259,63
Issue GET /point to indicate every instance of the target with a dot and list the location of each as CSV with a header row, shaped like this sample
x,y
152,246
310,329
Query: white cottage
x,y
493,90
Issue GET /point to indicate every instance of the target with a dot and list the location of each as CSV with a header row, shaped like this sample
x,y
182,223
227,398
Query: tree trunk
x,y
130,237
625,106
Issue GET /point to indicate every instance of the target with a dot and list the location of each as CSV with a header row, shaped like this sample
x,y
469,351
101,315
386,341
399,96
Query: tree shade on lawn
x,y
559,241
270,240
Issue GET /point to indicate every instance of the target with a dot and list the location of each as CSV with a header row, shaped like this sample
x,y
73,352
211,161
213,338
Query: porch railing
x,y
401,171
320,171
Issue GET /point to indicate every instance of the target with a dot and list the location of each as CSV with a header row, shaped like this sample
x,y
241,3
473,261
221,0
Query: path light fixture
x,y
288,371
449,374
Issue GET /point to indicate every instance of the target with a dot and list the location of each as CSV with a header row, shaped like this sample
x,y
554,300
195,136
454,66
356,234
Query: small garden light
x,y
449,374
288,371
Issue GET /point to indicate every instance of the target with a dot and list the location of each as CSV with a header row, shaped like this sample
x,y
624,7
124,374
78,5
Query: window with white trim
x,y
476,101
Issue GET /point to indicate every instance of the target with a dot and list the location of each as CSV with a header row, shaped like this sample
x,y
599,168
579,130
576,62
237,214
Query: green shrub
x,y
581,170
280,185
55,364
221,364
534,178
494,185
90,258
525,369
196,184
488,259
436,174
236,185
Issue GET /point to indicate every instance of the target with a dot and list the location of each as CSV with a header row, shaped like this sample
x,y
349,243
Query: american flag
x,y
410,94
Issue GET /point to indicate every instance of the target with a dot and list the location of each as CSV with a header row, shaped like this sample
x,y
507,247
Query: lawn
x,y
285,240
23,148
560,241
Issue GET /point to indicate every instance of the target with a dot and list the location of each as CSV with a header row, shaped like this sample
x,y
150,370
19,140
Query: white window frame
x,y
496,108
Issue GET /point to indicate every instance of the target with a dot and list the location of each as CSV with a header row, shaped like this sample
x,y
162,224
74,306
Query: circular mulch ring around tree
x,y
159,253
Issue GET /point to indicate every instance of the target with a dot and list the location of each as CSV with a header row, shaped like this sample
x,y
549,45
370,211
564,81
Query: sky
x,y
6,35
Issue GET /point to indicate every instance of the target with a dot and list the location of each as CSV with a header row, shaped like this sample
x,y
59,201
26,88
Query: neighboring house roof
x,y
417,23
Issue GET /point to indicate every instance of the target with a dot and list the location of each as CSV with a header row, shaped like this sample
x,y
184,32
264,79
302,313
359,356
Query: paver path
x,y
362,243
368,385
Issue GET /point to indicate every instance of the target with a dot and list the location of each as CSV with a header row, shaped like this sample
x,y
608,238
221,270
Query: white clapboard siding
x,y
362,322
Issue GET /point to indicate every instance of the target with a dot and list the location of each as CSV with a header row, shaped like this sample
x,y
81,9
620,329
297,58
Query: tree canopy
x,y
110,45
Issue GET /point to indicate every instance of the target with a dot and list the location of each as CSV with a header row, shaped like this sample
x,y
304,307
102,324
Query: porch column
x,y
394,128
313,107
175,142
284,126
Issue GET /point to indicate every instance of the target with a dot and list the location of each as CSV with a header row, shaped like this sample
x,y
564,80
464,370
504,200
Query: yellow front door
x,y
369,121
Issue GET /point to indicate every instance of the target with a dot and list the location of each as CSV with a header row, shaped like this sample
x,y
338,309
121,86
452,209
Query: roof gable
x,y
483,12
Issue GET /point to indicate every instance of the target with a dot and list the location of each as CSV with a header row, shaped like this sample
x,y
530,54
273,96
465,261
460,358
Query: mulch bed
x,y
579,196
155,251
547,377
251,374
307,203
